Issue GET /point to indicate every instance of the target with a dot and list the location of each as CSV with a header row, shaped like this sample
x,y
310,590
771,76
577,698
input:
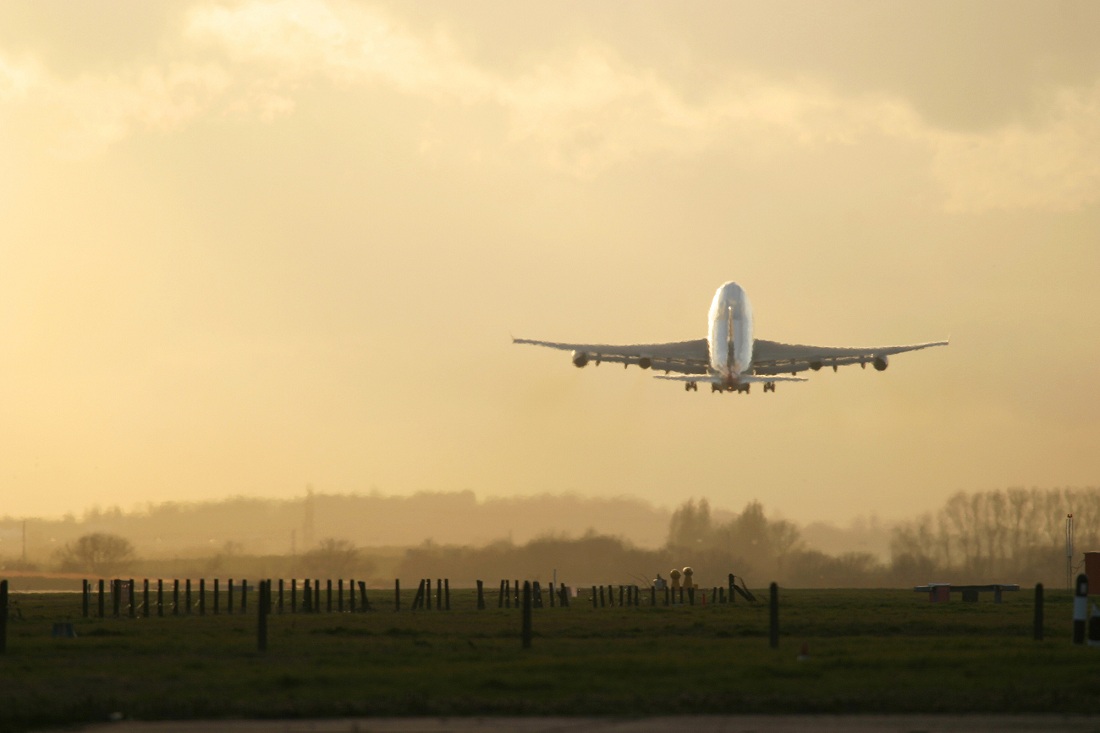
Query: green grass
x,y
870,651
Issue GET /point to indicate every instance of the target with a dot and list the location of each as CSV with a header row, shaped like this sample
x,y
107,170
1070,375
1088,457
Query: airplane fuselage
x,y
729,336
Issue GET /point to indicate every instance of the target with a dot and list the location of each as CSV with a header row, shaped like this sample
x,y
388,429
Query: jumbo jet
x,y
730,359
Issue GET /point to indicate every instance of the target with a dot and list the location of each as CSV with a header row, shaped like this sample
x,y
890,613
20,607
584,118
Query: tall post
x,y
84,596
217,595
229,597
447,594
340,595
187,596
480,596
100,604
3,617
160,597
773,616
328,595
145,598
175,596
396,594
280,595
526,614
202,596
261,611
244,596
1038,633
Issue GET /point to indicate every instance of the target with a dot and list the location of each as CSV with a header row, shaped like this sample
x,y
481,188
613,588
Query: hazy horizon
x,y
250,246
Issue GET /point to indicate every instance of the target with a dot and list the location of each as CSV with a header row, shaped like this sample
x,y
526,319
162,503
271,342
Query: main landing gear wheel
x,y
769,386
691,387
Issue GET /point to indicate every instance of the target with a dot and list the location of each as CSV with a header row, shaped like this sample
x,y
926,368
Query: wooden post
x,y
732,594
363,591
145,598
667,594
3,617
316,595
653,595
1038,612
418,599
340,595
550,592
595,598
261,612
516,592
1080,608
187,595
101,598
446,594
621,596
280,595
328,595
351,595
244,595
202,596
217,596
507,594
602,604
294,595
175,596
229,597
160,597
116,597
564,595
773,616
480,596
526,614
500,595
307,596
396,594
84,596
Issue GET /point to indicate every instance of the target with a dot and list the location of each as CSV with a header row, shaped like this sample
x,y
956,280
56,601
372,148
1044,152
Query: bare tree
x,y
99,552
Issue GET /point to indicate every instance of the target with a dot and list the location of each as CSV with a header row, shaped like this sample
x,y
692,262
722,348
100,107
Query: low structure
x,y
941,592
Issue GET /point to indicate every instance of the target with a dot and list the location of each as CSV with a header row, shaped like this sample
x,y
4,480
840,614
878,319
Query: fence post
x,y
160,597
396,594
229,597
1038,612
294,595
202,596
507,594
261,626
526,614
500,595
351,594
244,595
175,596
363,590
84,596
564,595
145,598
3,617
447,594
773,616
100,604
217,596
328,595
280,595
187,595
340,595
480,596
307,596
418,599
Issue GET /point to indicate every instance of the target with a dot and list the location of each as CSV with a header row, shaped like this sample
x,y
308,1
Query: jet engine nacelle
x,y
881,362
580,358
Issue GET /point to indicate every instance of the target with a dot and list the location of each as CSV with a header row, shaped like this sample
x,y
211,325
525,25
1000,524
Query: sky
x,y
250,247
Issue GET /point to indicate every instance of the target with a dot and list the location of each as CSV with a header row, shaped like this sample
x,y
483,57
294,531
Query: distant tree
x,y
690,524
99,552
333,558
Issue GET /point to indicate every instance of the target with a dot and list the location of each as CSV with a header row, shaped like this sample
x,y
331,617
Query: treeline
x,y
1012,535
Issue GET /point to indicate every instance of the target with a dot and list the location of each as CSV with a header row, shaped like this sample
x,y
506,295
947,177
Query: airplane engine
x,y
881,362
815,365
645,362
580,358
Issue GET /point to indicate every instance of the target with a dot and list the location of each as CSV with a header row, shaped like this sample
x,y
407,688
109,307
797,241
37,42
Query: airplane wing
x,y
772,357
682,357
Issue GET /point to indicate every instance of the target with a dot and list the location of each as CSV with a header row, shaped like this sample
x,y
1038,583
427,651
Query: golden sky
x,y
250,246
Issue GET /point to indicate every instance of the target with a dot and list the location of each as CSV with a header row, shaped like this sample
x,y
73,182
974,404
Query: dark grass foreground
x,y
870,651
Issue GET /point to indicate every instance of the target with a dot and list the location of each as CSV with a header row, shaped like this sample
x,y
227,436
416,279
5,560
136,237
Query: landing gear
x,y
769,386
691,387
716,387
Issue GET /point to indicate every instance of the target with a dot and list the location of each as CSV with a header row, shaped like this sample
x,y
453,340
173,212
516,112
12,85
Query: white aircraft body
x,y
730,359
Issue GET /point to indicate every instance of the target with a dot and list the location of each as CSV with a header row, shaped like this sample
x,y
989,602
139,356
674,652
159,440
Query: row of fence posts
x,y
123,595
531,597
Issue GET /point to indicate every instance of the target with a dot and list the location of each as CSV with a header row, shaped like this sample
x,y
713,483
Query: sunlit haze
x,y
250,246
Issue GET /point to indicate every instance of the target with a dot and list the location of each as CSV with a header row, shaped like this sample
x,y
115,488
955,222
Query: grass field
x,y
869,651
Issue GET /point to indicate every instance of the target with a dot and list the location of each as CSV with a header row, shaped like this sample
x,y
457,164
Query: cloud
x,y
580,109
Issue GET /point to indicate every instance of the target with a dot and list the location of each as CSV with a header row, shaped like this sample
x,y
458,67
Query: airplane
x,y
730,359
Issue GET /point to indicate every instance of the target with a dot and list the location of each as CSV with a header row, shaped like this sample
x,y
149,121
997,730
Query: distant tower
x,y
307,521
